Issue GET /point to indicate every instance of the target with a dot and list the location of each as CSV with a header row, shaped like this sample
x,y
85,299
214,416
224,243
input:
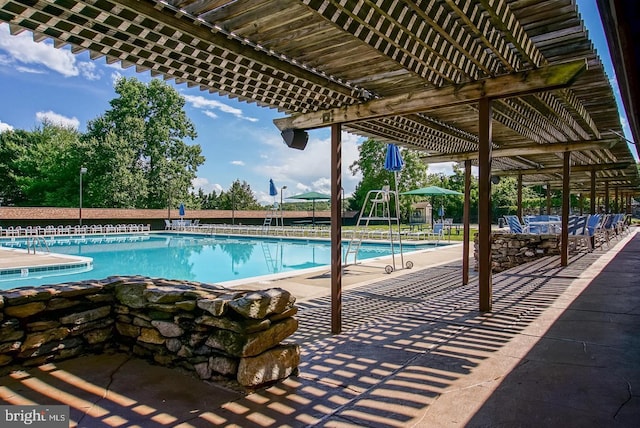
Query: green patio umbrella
x,y
431,191
312,196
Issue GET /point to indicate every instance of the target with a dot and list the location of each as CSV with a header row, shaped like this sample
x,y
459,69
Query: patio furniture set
x,y
587,231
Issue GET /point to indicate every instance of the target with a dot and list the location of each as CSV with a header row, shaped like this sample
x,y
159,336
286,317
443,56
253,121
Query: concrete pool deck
x,y
560,348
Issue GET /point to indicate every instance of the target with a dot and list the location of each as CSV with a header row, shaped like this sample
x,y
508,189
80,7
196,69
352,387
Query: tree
x,y
239,197
41,167
11,150
370,164
135,153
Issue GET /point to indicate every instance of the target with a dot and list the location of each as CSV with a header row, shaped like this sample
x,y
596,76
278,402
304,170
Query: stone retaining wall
x,y
218,333
513,249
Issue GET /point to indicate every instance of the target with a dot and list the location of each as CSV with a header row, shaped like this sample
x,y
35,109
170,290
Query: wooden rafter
x,y
546,78
524,151
558,170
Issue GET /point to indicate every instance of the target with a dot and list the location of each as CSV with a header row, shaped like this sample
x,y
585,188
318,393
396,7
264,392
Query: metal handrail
x,y
37,241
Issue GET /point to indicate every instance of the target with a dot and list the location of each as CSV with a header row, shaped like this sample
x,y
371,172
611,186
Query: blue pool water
x,y
196,258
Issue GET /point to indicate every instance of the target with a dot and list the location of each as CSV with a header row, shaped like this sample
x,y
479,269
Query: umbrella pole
x,y
395,179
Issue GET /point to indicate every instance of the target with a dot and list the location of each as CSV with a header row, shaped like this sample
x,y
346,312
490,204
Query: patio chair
x,y
436,233
608,228
514,224
578,232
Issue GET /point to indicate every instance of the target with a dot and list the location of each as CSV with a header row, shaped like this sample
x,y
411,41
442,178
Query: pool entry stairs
x,y
381,207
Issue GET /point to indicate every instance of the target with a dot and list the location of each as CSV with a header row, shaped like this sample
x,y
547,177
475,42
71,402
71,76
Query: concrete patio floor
x,y
560,348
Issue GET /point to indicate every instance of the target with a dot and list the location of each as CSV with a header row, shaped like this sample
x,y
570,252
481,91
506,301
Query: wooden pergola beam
x,y
558,170
536,149
512,85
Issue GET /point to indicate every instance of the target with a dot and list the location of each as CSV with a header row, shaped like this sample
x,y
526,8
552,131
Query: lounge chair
x,y
514,224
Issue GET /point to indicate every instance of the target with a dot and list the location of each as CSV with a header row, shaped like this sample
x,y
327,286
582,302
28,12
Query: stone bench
x,y
219,333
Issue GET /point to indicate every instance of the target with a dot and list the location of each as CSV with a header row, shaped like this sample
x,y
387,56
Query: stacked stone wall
x,y
219,333
513,249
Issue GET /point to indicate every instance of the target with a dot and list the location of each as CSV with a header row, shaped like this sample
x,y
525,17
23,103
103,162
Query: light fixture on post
x,y
169,184
281,216
83,171
233,207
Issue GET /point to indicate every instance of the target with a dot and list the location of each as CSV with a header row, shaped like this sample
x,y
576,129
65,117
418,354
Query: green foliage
x,y
134,152
40,167
370,164
239,197
206,201
134,155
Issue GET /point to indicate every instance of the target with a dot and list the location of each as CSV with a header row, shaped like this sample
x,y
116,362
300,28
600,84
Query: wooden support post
x,y
593,192
466,211
607,209
336,228
617,201
519,204
484,205
549,198
566,198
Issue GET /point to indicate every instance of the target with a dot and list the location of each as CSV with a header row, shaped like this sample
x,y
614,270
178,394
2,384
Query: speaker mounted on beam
x,y
295,138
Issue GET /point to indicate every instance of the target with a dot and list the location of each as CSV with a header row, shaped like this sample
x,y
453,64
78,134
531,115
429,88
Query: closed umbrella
x,y
393,162
272,188
441,211
181,213
312,196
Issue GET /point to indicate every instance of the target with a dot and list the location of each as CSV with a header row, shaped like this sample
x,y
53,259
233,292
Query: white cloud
x,y
205,185
57,119
445,168
238,163
211,114
5,127
88,71
200,102
309,169
29,70
27,55
115,76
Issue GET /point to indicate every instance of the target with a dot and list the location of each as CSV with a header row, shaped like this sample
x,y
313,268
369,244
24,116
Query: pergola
x,y
511,86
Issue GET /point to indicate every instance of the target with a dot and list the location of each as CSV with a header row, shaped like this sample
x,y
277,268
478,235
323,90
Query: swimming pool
x,y
210,259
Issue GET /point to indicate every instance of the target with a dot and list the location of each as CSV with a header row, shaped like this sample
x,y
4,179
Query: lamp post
x,y
168,179
83,171
281,217
233,207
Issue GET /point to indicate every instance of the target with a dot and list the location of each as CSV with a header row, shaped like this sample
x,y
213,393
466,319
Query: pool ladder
x,y
36,242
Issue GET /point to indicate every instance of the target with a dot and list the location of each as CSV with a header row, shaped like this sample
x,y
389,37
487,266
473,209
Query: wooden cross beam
x,y
546,78
558,170
536,149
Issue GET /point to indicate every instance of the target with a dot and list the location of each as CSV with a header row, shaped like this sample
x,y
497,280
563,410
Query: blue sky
x,y
239,140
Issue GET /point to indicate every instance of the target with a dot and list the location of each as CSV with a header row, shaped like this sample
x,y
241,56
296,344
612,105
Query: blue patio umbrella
x,y
272,188
181,213
393,162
